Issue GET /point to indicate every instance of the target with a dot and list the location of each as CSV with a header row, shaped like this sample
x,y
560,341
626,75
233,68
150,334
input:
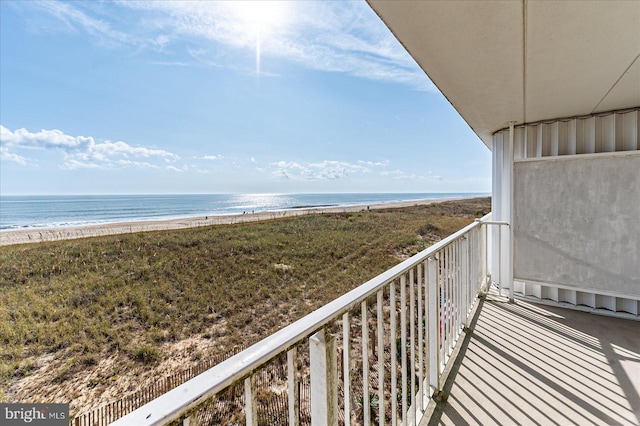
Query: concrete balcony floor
x,y
530,364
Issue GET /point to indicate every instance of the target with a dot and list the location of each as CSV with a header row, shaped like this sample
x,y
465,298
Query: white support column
x,y
511,247
503,210
496,209
324,395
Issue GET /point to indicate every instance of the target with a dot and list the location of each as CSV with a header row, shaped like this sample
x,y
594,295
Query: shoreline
x,y
37,235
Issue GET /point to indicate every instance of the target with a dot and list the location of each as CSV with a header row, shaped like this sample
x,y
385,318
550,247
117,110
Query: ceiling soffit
x,y
523,61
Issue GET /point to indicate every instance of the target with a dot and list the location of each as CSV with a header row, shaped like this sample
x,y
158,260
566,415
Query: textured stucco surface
x,y
577,222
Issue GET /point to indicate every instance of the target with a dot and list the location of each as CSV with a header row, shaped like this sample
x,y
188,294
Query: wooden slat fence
x,y
108,413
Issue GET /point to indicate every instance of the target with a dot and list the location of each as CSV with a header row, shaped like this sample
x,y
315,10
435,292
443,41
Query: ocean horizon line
x,y
134,194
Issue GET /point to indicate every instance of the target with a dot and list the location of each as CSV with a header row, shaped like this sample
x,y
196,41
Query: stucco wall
x,y
577,222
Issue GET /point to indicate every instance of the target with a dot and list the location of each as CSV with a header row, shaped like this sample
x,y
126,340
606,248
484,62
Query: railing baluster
x,y
366,406
420,341
428,319
451,301
460,280
394,346
464,286
465,281
346,366
380,318
456,290
403,342
412,336
250,403
442,296
452,272
443,307
471,267
433,323
294,390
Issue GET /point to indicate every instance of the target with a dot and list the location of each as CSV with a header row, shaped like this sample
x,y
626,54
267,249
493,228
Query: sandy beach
x,y
36,235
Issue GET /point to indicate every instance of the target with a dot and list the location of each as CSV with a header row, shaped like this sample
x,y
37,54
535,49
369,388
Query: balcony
x,y
434,346
534,364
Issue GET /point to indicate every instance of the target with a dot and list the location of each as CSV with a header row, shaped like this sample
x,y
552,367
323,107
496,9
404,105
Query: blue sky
x,y
229,97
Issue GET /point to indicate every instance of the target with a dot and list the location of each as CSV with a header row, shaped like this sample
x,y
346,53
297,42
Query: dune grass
x,y
128,294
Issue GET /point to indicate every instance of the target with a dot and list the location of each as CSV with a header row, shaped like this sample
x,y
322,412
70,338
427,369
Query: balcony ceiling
x,y
523,61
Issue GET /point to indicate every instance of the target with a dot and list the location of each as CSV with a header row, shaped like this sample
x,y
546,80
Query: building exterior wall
x,y
577,222
576,211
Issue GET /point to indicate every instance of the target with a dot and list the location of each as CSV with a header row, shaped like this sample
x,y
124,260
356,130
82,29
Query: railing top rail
x,y
171,405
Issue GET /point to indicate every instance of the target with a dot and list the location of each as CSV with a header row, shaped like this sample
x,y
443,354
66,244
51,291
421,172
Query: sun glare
x,y
261,20
261,16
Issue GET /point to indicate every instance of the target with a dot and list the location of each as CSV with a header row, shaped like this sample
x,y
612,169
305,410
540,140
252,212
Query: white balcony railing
x,y
376,355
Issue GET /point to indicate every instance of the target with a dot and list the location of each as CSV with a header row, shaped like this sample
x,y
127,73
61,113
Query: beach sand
x,y
22,236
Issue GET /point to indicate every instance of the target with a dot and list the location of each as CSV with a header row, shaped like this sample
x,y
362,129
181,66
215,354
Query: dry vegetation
x,y
86,321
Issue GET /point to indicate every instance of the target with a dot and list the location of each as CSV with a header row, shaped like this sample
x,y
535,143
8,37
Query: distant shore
x,y
36,235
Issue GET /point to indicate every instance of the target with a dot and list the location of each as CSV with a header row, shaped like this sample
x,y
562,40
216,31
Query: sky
x,y
137,97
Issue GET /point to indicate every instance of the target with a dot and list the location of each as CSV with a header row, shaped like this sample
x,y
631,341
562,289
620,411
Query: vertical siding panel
x,y
598,131
563,138
637,133
608,133
580,136
571,137
531,141
519,143
618,123
539,140
630,130
590,135
554,129
545,137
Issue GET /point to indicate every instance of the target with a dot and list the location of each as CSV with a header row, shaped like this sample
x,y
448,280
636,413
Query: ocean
x,y
51,211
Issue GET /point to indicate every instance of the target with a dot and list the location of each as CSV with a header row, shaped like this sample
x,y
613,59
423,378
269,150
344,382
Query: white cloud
x,y
210,157
344,37
98,23
197,169
138,164
184,168
325,170
43,139
5,155
78,151
400,175
374,164
391,173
